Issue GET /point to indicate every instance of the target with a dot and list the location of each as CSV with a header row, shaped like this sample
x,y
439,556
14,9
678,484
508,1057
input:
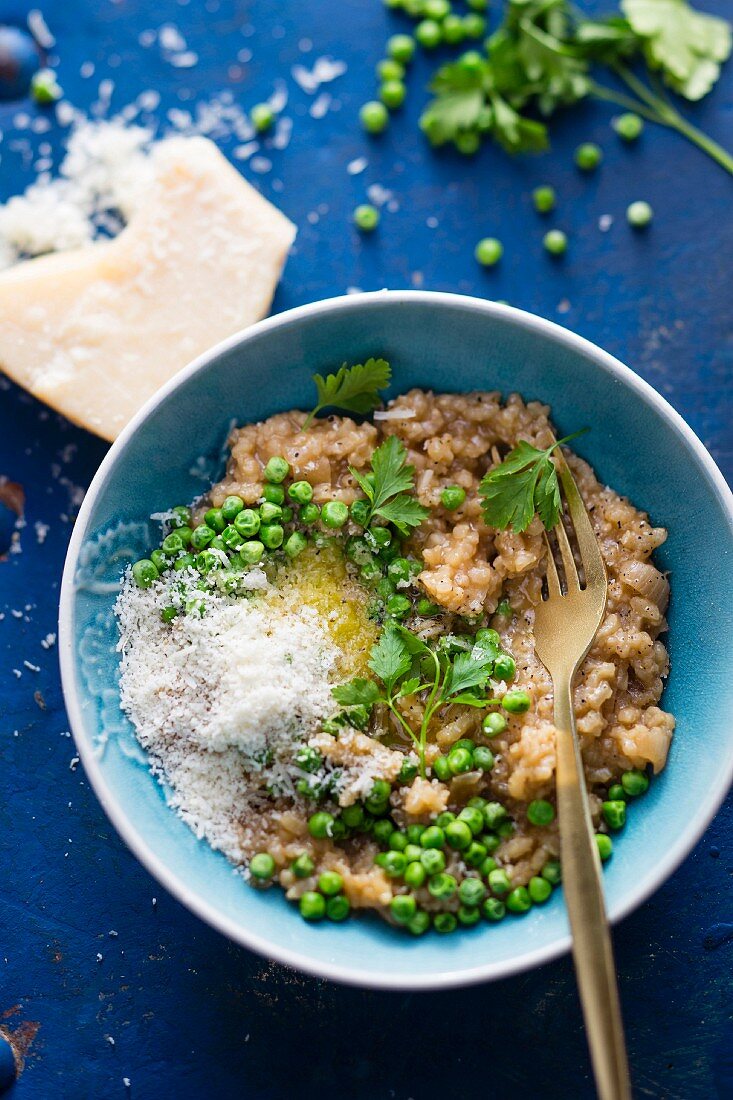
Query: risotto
x,y
330,660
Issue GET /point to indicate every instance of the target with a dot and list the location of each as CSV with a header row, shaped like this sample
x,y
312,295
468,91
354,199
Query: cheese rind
x,y
94,332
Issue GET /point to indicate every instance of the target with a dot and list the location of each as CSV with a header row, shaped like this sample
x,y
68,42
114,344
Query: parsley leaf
x,y
393,479
686,45
389,658
469,670
355,692
524,483
353,389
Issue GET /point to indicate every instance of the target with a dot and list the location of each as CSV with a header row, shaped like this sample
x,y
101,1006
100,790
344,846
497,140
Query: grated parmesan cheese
x,y
220,701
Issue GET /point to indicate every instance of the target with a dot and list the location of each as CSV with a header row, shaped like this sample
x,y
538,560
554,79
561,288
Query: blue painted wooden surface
x,y
129,995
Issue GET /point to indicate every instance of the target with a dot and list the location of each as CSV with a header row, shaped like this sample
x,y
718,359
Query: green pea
x,y
303,866
374,116
338,908
353,816
270,513
474,25
494,814
169,613
407,772
471,891
159,560
262,865
272,535
334,513
185,534
273,494
544,199
366,216
516,702
428,34
202,536
616,793
414,833
321,824
552,872
628,126
634,783
453,31
433,861
144,573
392,94
251,552
312,906
588,156
389,69
231,537
444,923
419,923
491,841
519,900
301,492
459,761
468,915
382,831
471,63
493,909
458,835
359,512
473,817
403,908
505,667
206,561
541,812
444,818
393,864
398,606
330,883
181,516
639,214
412,852
186,561
555,242
475,854
605,846
295,544
276,470
489,251
442,885
483,759
494,724
478,802
488,866
499,881
505,829
218,544
539,889
262,117
231,508
614,814
398,841
433,837
310,513
215,520
452,497
247,522
172,544
401,47
426,609
358,551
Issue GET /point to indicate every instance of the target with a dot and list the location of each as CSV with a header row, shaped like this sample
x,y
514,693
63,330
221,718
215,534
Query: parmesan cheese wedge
x,y
94,332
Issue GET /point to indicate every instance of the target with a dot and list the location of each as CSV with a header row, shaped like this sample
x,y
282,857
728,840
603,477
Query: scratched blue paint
x,y
189,1014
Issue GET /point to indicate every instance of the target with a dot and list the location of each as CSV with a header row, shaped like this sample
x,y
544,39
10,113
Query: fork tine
x,y
590,551
568,561
553,581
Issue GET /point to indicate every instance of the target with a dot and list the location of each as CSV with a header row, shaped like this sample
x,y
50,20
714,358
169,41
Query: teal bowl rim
x,y
175,884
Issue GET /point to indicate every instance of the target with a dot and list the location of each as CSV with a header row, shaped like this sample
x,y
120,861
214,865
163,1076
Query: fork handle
x,y
583,890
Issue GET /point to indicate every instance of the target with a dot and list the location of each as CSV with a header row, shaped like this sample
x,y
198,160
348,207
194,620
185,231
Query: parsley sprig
x,y
352,389
387,487
524,483
404,665
544,56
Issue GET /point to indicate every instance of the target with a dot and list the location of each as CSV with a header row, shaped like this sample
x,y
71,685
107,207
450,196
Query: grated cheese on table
x,y
220,701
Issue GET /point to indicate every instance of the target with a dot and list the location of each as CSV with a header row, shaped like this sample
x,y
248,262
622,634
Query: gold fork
x,y
565,625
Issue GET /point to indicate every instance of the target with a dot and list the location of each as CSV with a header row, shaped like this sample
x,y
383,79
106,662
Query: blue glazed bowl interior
x,y
445,343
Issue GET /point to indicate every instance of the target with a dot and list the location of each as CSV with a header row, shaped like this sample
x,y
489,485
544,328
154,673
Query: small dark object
x,y
8,1067
19,60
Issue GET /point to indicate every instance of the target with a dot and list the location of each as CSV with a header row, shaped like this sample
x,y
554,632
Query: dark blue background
x,y
116,979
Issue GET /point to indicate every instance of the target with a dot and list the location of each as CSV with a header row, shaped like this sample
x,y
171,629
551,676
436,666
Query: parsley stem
x,y
661,111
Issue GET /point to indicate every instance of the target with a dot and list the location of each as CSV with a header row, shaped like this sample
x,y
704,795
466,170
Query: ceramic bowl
x,y
172,451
